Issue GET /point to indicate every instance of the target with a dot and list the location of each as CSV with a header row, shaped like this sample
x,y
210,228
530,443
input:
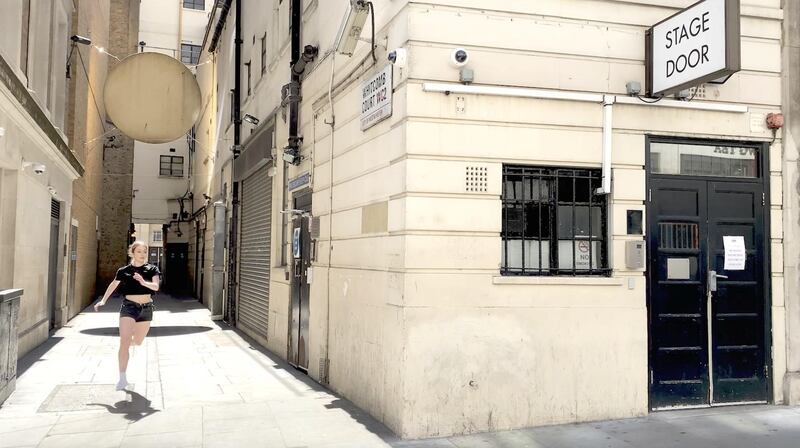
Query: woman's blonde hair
x,y
136,244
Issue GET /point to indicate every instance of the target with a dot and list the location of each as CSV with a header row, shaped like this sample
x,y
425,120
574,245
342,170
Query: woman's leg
x,y
140,331
126,327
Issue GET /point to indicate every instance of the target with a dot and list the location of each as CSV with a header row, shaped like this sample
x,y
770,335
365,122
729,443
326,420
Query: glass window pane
x,y
583,227
582,258
512,220
537,220
532,248
703,160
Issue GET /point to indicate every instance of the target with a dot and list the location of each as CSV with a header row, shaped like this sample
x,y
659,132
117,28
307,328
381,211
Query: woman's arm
x,y
152,284
109,291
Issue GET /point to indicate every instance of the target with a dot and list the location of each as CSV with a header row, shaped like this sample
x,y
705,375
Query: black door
x,y
301,279
52,277
176,269
707,334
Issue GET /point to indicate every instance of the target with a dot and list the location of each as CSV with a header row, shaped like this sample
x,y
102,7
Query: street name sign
x,y
376,98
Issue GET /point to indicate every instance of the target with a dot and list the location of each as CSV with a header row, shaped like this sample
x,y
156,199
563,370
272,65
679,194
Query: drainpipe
x,y
608,111
237,80
237,137
291,93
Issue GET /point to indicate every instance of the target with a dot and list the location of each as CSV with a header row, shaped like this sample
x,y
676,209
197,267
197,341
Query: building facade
x,y
37,166
514,236
163,177
91,137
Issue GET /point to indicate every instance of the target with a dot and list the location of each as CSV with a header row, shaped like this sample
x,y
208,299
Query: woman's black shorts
x,y
137,311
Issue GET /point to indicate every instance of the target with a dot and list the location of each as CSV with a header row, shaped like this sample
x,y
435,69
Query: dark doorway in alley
x,y
176,268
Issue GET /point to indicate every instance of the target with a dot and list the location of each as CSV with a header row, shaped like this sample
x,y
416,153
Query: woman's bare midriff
x,y
139,298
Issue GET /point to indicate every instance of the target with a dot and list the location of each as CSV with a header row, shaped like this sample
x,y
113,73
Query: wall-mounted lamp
x,y
75,41
351,28
251,119
80,40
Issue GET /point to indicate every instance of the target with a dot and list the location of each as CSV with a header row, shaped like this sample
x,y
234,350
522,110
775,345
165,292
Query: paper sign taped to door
x,y
735,253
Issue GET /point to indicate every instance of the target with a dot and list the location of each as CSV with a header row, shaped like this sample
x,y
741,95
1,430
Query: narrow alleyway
x,y
195,383
200,383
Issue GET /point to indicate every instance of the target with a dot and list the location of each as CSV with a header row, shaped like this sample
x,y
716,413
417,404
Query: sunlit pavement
x,y
197,383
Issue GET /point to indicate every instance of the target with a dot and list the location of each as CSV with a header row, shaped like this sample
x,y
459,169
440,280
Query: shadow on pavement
x,y
369,422
36,355
134,409
155,331
163,301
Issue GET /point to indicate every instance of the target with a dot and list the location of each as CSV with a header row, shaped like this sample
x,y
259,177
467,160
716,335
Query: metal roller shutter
x,y
254,256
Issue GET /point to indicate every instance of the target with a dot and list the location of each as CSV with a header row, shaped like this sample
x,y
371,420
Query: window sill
x,y
583,281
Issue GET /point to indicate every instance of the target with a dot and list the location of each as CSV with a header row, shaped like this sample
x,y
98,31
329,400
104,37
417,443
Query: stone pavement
x,y
198,383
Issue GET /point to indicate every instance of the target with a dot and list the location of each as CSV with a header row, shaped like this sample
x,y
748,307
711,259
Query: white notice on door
x,y
735,253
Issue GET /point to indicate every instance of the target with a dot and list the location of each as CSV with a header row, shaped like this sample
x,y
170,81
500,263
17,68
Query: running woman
x,y
137,282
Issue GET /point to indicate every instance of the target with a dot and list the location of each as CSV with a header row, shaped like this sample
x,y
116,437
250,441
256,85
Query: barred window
x,y
171,166
554,223
190,54
195,4
156,236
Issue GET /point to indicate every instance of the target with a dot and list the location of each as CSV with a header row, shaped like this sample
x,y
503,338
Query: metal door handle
x,y
712,280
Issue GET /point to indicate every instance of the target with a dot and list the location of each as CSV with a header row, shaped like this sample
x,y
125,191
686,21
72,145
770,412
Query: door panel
x,y
735,209
697,360
301,264
679,340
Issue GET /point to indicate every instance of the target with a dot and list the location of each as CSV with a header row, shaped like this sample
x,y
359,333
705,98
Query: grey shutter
x,y
254,256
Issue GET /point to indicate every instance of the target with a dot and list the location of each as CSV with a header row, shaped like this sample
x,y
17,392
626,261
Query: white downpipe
x,y
608,133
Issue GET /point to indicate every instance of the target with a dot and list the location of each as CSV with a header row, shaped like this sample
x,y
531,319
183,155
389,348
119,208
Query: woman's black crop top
x,y
129,286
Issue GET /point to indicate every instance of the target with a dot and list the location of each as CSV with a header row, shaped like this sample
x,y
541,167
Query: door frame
x,y
764,175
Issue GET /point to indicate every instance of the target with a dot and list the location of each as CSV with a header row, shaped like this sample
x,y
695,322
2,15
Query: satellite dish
x,y
152,97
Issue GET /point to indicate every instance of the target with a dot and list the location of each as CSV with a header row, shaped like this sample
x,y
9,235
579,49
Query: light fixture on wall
x,y
351,28
75,41
251,119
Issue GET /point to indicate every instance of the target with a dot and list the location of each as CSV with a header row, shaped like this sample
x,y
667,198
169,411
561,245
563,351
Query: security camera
x,y
459,57
398,57
37,168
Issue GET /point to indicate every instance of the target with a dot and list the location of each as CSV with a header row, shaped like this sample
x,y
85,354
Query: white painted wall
x,y
424,332
25,197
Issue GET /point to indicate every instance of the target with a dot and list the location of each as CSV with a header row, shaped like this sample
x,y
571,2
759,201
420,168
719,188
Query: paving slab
x,y
104,439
